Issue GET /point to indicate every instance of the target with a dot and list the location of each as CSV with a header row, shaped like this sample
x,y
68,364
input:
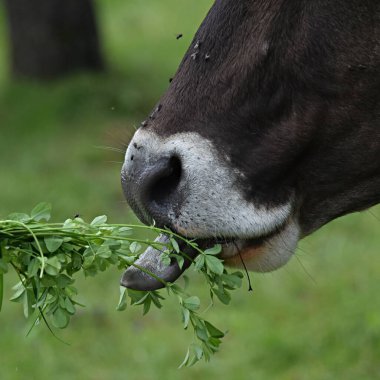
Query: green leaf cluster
x,y
47,257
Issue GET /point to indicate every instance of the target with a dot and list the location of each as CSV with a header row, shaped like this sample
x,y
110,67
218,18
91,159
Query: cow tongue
x,y
136,279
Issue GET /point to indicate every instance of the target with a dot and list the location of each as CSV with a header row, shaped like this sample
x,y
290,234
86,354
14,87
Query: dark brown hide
x,y
290,90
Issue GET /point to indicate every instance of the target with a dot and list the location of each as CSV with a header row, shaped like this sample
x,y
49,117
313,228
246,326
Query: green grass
x,y
318,318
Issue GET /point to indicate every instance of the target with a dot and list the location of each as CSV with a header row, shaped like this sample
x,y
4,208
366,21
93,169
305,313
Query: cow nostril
x,y
162,191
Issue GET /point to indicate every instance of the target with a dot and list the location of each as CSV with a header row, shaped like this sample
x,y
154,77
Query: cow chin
x,y
263,254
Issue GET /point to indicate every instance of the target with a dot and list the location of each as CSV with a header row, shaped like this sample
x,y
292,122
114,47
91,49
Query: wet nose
x,y
151,184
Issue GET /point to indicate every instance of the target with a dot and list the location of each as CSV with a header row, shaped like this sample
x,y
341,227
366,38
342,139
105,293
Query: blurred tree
x,y
50,38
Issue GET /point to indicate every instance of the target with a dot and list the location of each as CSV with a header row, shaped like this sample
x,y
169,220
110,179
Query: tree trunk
x,y
50,38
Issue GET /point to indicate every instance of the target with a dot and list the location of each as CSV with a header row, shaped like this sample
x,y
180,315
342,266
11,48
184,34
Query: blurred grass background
x,y
318,318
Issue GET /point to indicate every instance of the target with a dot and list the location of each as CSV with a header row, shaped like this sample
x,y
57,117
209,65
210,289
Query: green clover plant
x,y
46,256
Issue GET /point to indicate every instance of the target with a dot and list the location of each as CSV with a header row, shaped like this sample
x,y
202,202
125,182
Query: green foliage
x,y
294,327
47,256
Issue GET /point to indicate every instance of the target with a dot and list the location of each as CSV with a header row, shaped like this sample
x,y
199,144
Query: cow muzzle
x,y
185,183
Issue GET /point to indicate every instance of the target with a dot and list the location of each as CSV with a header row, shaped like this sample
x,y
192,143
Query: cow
x,y
269,130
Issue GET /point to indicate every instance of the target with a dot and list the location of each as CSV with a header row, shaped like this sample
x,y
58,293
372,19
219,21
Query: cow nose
x,y
151,186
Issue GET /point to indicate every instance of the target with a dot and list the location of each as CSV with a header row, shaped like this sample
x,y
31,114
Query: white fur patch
x,y
214,205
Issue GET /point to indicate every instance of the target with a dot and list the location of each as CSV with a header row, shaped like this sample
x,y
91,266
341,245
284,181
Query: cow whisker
x,y
111,148
304,269
374,215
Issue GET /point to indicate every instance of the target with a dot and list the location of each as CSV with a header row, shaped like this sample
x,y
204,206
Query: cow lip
x,y
239,246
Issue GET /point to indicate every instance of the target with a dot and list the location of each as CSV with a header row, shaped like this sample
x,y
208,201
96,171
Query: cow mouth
x,y
150,273
235,252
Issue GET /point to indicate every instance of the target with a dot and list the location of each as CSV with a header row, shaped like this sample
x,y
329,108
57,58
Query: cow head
x,y
269,129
